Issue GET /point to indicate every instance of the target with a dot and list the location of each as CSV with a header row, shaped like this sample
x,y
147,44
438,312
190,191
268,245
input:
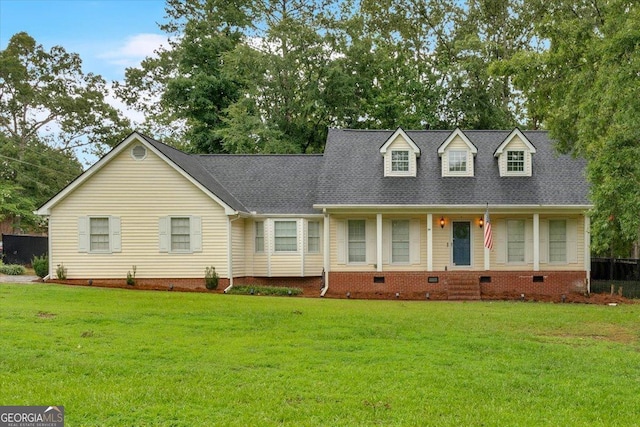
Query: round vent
x,y
138,152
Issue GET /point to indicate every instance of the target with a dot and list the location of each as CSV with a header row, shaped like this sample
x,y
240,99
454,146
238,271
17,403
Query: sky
x,y
109,35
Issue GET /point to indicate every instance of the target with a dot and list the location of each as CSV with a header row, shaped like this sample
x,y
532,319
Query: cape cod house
x,y
379,214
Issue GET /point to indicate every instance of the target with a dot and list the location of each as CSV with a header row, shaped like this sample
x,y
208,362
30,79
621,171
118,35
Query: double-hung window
x,y
400,241
515,161
515,241
259,236
286,236
558,241
399,161
99,234
357,241
180,234
313,237
457,161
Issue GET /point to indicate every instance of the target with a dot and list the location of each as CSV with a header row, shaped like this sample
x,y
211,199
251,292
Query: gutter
x,y
230,250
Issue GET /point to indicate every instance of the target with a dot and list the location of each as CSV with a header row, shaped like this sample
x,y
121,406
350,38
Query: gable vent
x,y
139,152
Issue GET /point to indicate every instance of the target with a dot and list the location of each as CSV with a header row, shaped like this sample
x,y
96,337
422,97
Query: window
x,y
515,240
558,241
457,161
400,241
313,236
139,152
400,161
99,234
357,241
515,161
259,236
180,234
286,236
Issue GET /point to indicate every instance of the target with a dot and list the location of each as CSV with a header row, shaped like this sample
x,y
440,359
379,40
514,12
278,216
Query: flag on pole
x,y
488,235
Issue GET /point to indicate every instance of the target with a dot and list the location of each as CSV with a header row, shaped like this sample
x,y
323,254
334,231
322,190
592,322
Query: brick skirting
x,y
544,285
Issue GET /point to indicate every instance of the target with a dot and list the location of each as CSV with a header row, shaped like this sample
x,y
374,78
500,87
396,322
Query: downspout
x,y
327,255
230,250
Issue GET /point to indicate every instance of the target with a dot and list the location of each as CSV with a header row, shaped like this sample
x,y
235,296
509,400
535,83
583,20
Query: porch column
x,y
587,250
379,241
429,242
536,242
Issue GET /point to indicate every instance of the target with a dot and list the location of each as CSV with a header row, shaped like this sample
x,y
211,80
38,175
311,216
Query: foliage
x,y
40,265
585,89
211,278
131,277
265,290
61,272
12,269
318,360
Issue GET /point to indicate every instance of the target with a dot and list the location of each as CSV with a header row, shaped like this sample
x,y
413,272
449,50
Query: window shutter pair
x,y
84,234
164,233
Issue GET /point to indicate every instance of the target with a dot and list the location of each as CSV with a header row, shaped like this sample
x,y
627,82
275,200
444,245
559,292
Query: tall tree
x,y
45,95
585,88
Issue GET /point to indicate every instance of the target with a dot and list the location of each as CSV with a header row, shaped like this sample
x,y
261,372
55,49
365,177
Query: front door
x,y
461,243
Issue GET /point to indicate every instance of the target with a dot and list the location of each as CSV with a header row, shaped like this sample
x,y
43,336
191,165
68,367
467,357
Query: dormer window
x,y
400,161
457,153
515,161
515,155
457,161
400,155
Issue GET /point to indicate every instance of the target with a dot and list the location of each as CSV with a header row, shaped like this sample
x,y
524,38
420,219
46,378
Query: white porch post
x,y
429,242
536,242
587,250
379,241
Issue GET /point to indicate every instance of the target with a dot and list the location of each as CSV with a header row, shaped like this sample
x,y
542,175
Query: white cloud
x,y
134,49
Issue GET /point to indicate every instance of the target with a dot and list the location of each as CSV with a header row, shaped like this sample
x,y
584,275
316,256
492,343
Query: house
x,y
379,214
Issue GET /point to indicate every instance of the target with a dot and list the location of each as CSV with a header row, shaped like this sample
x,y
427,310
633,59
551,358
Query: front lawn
x,y
118,357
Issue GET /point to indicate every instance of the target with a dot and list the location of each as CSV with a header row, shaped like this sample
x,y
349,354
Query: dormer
x,y
457,153
515,155
400,154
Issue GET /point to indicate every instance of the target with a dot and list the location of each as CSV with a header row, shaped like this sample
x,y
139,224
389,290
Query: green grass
x,y
117,357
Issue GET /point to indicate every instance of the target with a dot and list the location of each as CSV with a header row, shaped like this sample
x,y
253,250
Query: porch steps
x,y
463,289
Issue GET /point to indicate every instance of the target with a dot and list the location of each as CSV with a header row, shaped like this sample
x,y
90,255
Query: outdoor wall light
x,y
397,294
441,222
428,296
481,222
348,294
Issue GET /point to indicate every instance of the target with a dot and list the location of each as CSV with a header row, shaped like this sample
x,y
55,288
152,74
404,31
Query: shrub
x,y
131,278
265,290
211,278
40,265
61,272
11,269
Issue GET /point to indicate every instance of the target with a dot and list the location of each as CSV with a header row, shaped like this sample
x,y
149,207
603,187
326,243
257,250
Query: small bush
x,y
211,278
61,272
12,269
265,290
131,278
40,265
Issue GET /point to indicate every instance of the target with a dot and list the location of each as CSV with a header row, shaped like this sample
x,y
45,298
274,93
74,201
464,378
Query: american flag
x,y
488,235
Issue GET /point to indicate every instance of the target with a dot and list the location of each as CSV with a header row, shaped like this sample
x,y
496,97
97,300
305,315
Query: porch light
x,y
481,222
441,222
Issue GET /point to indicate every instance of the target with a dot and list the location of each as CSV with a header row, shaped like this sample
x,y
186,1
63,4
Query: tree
x,y
46,96
585,89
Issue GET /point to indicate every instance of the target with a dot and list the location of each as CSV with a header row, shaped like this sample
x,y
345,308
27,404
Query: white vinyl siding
x,y
259,236
515,241
357,241
400,241
313,237
557,241
285,236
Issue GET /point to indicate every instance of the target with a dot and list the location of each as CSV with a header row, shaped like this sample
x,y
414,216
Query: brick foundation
x,y
539,285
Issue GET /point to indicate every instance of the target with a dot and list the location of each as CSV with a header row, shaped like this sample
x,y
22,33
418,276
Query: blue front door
x,y
462,243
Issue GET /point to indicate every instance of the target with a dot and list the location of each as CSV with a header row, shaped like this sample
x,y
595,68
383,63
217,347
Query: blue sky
x,y
109,35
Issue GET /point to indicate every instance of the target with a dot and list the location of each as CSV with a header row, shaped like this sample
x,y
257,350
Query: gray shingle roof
x,y
352,173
